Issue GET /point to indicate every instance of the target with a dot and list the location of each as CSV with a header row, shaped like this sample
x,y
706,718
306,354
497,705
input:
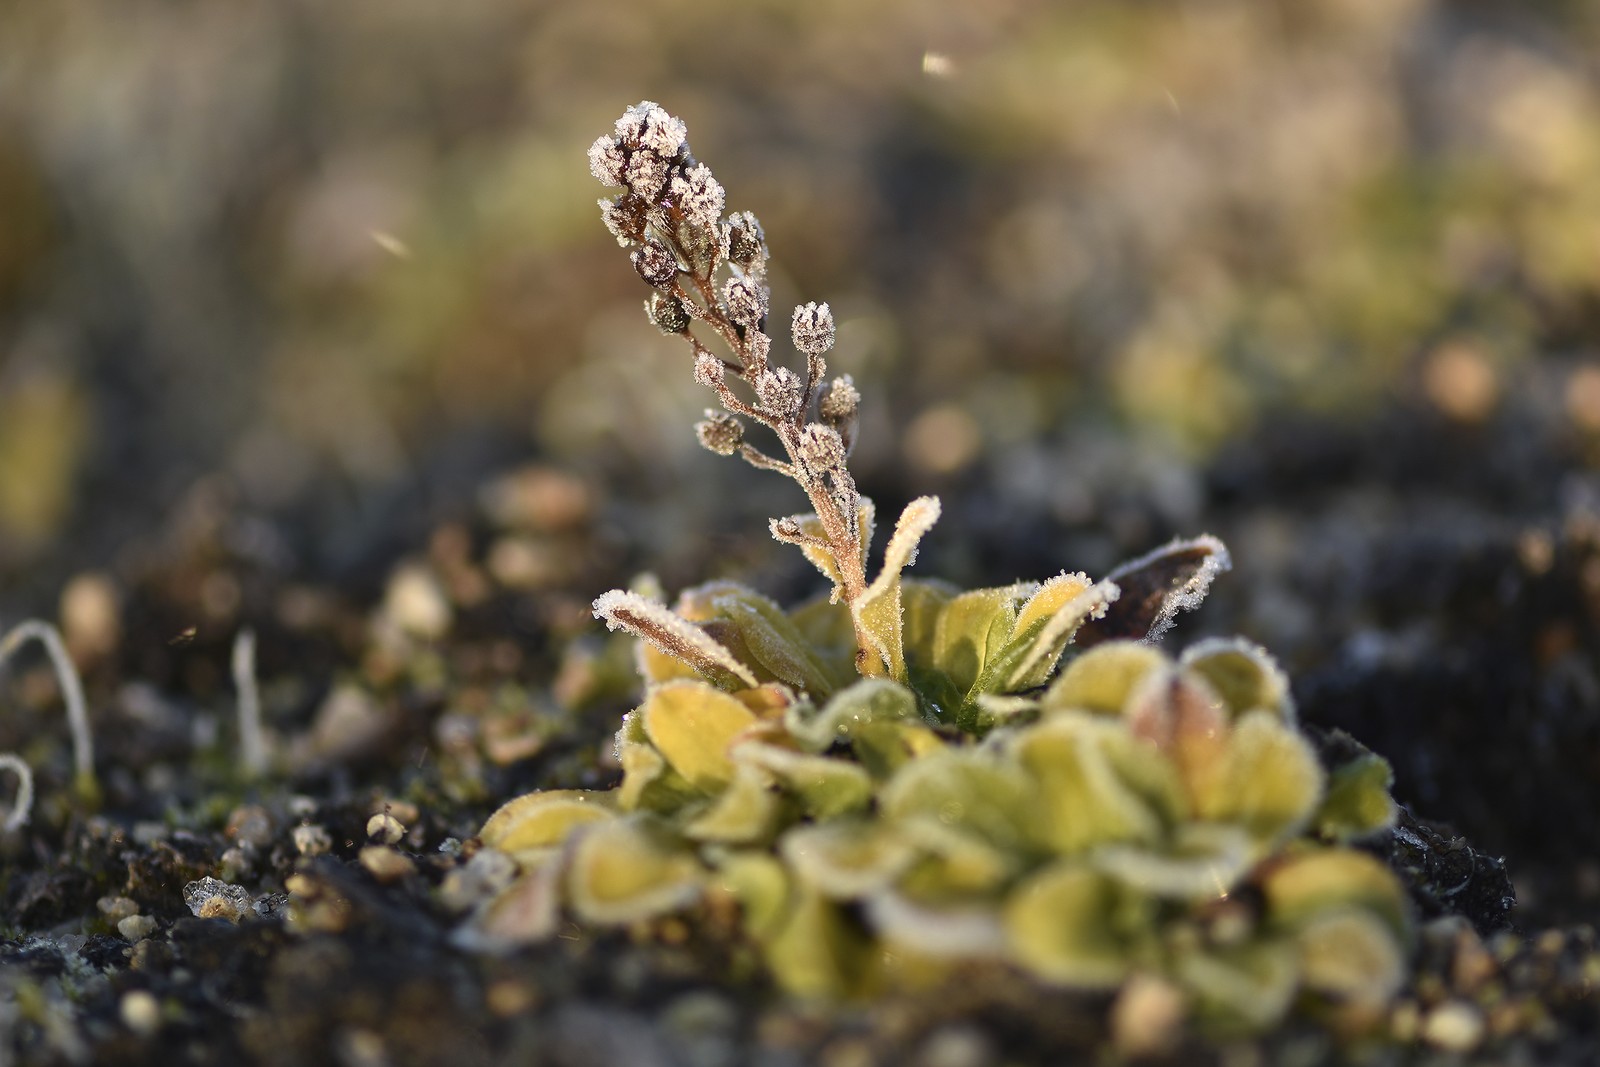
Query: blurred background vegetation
x,y
334,263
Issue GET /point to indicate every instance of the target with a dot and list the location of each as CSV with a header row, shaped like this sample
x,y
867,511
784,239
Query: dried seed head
x,y
625,216
746,241
699,196
655,264
840,404
607,161
813,328
756,347
708,370
720,433
821,447
666,313
781,392
647,175
647,125
746,299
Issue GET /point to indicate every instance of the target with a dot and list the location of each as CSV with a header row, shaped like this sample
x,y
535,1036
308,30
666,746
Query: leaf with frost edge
x,y
672,634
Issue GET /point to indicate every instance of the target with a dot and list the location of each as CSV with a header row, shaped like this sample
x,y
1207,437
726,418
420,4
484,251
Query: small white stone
x,y
385,828
1454,1026
141,1012
136,927
311,840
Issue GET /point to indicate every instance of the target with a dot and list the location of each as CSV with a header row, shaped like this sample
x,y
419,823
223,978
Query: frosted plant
x,y
905,779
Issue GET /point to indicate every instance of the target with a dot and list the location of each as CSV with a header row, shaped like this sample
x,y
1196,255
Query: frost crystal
x,y
211,898
607,161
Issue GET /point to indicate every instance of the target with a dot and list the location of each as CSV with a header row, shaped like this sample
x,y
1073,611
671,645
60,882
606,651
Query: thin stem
x,y
252,742
71,688
761,461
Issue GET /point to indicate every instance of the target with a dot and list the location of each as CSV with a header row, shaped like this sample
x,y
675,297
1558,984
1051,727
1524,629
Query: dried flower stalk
x,y
671,214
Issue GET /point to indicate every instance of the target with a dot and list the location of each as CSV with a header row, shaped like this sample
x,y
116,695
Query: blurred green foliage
x,y
300,241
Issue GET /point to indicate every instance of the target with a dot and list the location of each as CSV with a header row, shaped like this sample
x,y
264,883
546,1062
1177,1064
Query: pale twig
x,y
22,806
71,688
252,742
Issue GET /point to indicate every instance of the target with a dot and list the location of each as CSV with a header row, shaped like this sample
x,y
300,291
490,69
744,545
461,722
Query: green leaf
x,y
1202,861
627,869
1079,800
541,820
674,636
1357,803
1243,674
1103,678
1246,987
1352,955
1045,626
967,789
1316,881
877,611
818,953
1271,781
746,812
692,725
870,700
1071,925
761,885
972,628
826,788
847,858
775,643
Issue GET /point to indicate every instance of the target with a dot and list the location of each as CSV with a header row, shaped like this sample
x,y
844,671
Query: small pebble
x,y
385,828
115,909
1147,1017
311,840
136,927
385,864
1454,1026
140,1012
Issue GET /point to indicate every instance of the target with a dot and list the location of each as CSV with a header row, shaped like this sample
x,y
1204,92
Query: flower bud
x,y
840,403
655,264
746,245
720,433
708,370
821,447
699,197
746,299
781,392
648,125
813,328
666,313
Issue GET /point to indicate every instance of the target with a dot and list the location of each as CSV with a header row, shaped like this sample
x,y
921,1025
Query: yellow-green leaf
x,y
877,611
1271,781
626,869
692,725
1243,674
1072,926
1102,679
540,820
